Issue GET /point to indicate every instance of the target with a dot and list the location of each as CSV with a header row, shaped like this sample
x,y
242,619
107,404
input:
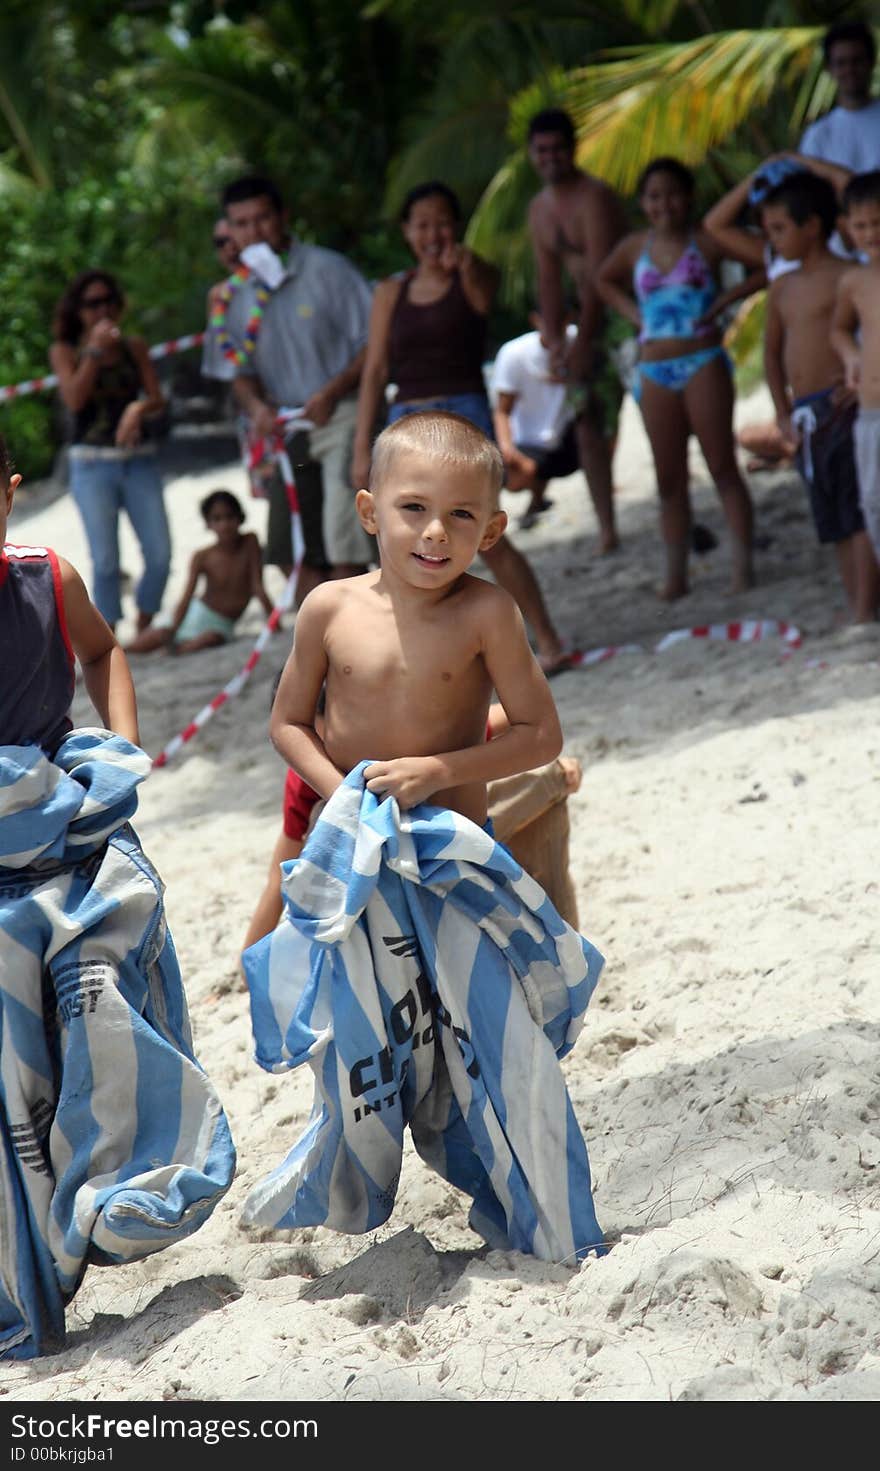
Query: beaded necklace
x,y
235,354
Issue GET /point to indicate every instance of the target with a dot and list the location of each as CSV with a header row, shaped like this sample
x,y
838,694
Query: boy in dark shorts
x,y
856,336
815,412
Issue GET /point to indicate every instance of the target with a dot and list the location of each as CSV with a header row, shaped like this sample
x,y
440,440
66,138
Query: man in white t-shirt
x,y
534,421
850,133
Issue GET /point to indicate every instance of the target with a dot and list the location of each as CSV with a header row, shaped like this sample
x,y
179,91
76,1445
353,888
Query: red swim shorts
x,y
299,799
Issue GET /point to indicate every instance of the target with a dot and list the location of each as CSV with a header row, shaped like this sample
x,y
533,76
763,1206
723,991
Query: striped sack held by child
x,y
113,1144
427,980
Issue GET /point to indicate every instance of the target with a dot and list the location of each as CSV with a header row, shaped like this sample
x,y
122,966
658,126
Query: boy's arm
x,y
774,369
533,736
258,587
104,665
292,724
838,176
843,328
735,241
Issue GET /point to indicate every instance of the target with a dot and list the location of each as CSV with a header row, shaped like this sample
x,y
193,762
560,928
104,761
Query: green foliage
x,y
120,120
129,224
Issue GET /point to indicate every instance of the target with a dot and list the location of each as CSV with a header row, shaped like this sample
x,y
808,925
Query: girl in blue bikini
x,y
664,280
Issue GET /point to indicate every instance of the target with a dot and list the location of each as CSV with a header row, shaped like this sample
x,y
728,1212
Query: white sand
x,y
728,1078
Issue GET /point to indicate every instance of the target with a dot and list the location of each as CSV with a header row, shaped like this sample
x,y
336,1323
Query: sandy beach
x,y
728,1077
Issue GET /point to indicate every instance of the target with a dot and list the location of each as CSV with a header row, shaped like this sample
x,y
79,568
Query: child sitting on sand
x,y
858,311
799,216
425,978
232,570
113,1142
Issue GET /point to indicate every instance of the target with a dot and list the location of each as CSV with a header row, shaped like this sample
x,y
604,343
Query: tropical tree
x,y
716,96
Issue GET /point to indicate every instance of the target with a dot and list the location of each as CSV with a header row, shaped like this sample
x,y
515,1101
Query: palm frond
x,y
683,99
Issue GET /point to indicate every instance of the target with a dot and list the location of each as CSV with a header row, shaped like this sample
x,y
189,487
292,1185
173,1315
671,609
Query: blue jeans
x,y
473,406
101,489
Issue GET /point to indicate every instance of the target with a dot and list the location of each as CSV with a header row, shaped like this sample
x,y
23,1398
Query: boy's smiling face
x,y
788,238
863,223
431,518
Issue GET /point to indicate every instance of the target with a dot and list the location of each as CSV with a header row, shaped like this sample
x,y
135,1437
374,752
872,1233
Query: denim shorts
x,y
473,406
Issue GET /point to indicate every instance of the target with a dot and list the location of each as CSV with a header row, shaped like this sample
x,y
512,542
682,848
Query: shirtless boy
x,y
575,222
232,570
411,653
858,307
798,217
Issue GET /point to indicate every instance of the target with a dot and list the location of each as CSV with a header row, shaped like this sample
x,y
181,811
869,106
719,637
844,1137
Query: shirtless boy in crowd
x,y
411,653
858,307
814,411
232,573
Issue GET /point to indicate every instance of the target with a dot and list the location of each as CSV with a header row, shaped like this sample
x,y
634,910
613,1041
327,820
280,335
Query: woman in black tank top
x,y
109,386
428,336
428,326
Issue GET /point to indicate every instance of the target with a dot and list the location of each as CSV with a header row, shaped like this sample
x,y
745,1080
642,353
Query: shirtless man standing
x,y
574,222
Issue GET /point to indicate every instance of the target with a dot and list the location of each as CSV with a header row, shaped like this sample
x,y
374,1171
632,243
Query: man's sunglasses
x,y
94,301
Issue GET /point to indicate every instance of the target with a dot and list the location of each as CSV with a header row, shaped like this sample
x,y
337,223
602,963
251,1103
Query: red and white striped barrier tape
x,y
749,631
42,385
236,685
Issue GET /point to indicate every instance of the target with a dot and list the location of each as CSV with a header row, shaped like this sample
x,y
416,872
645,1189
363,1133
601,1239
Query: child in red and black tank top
x,y
47,618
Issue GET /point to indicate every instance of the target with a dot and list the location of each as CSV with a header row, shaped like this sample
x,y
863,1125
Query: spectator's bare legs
x,y
268,909
708,399
595,458
512,572
667,428
860,576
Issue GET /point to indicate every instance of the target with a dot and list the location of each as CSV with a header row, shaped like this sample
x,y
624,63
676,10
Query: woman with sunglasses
x,y
109,387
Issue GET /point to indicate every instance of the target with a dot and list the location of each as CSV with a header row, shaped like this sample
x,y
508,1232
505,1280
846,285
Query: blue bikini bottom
x,y
676,373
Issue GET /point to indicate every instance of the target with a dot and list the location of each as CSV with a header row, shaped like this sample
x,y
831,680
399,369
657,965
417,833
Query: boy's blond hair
x,y
438,435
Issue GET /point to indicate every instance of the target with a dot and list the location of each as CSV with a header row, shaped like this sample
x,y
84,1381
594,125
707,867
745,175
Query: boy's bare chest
x,y
400,659
222,565
808,301
866,298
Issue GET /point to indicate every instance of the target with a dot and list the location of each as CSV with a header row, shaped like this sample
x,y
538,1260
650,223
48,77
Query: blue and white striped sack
x,y
113,1144
427,980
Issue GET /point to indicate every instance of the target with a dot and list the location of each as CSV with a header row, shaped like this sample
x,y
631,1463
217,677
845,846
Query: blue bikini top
x,y
671,303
